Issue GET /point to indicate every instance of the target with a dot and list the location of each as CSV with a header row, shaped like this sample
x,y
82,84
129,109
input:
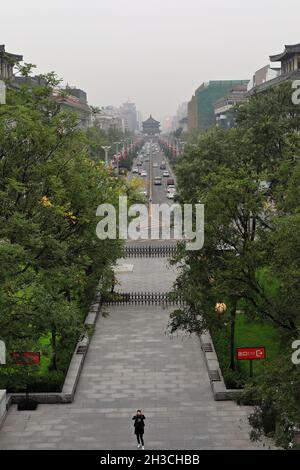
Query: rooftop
x,y
13,57
288,51
150,120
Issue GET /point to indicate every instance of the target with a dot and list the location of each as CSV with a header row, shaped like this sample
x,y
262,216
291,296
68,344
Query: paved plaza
x,y
133,363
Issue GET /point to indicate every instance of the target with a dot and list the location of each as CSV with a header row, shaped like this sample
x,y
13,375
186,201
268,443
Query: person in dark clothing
x,y
139,426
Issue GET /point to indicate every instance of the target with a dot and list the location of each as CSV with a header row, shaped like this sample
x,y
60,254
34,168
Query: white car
x,y
166,174
143,173
171,195
155,165
171,189
135,170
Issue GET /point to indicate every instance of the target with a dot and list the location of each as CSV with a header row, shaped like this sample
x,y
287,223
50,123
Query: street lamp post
x,y
106,149
183,142
117,155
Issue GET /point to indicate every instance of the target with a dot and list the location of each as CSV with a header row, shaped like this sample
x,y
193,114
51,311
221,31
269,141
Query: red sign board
x,y
26,357
251,354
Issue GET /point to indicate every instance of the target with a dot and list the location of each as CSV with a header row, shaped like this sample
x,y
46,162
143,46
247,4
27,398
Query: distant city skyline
x,y
154,53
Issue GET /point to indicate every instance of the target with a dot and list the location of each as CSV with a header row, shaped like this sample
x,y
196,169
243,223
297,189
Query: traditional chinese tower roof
x,y
288,52
151,126
7,62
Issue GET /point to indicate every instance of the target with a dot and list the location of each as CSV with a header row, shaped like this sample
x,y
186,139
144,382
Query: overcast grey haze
x,y
154,52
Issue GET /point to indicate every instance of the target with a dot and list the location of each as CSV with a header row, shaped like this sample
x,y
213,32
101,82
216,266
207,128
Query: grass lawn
x,y
45,349
250,333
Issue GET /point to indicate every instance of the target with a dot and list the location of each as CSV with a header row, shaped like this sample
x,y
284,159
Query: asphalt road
x,y
156,193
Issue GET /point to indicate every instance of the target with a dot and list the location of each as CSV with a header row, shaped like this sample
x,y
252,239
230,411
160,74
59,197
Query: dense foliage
x,y
248,178
51,260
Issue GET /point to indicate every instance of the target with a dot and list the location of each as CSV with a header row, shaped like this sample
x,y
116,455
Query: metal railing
x,y
143,298
149,251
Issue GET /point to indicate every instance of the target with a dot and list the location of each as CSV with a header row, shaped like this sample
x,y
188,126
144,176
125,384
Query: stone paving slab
x,y
147,275
132,362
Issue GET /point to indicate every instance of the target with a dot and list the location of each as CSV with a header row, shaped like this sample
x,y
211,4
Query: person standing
x,y
139,426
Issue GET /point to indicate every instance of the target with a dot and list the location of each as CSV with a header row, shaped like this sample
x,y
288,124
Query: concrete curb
x,y
3,408
70,384
219,390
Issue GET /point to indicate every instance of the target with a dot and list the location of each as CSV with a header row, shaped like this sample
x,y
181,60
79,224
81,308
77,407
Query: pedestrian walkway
x,y
133,363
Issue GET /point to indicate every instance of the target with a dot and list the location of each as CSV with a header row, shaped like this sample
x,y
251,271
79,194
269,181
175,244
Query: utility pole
x,y
106,149
117,155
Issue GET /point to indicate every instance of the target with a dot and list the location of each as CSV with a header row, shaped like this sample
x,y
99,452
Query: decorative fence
x,y
143,298
149,251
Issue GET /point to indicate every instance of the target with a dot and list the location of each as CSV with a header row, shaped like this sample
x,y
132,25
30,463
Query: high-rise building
x,y
129,113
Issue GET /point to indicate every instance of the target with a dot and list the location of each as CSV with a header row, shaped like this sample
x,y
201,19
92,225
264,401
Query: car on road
x,y
155,165
163,165
157,180
143,173
170,182
166,174
135,170
171,194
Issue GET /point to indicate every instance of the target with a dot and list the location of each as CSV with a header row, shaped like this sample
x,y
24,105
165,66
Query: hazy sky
x,y
155,52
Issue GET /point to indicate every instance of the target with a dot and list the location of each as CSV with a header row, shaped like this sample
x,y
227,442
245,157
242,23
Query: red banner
x,y
251,354
26,357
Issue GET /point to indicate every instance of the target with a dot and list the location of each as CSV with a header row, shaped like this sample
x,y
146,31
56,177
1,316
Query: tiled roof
x,y
151,121
292,49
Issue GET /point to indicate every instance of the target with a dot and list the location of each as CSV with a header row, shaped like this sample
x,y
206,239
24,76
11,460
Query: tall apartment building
x,y
129,113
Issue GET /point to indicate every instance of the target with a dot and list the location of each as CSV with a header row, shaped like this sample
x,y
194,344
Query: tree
x,y
50,188
244,195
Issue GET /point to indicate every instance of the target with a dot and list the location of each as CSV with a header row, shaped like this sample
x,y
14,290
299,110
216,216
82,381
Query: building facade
x,y
76,102
289,69
263,75
129,113
224,107
7,63
192,121
206,96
